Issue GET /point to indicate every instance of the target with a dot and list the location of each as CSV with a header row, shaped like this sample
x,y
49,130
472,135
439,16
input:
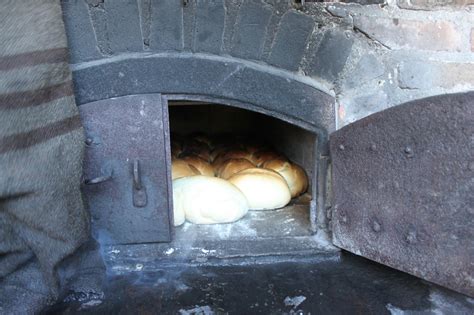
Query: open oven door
x,y
403,186
127,180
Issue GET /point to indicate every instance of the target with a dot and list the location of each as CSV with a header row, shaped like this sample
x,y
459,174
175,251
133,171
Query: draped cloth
x,y
42,217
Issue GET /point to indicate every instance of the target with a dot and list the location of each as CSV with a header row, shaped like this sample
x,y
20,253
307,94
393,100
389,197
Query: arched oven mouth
x,y
128,183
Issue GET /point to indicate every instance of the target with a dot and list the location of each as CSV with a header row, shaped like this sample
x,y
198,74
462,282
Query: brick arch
x,y
272,54
268,32
230,79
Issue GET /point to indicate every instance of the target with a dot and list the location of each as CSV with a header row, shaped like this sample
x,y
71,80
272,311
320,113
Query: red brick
x,y
433,4
411,34
456,74
424,75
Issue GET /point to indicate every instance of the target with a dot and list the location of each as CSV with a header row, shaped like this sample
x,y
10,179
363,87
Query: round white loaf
x,y
264,189
178,216
208,200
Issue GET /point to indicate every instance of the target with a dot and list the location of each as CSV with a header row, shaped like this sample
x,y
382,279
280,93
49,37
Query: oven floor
x,y
290,221
346,285
283,233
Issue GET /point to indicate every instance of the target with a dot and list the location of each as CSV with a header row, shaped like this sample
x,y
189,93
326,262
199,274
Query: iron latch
x,y
139,191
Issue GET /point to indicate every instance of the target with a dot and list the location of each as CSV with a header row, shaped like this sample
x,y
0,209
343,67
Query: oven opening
x,y
215,148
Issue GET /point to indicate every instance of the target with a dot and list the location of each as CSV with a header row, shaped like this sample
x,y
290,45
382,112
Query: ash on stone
x,y
294,301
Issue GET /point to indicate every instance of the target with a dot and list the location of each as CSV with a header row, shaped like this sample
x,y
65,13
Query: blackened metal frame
x,y
320,153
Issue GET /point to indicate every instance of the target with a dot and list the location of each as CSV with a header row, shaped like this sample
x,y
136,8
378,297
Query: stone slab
x,y
276,93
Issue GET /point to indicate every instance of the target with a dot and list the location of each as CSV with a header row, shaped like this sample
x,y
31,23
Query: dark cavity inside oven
x,y
219,123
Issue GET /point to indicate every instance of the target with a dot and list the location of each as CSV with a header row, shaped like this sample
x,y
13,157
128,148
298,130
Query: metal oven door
x,y
126,180
404,189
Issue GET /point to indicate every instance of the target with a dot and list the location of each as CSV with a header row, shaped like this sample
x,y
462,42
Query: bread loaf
x,y
205,168
254,148
194,147
178,216
294,175
232,166
260,157
202,138
180,168
221,147
264,189
231,154
208,200
216,151
176,148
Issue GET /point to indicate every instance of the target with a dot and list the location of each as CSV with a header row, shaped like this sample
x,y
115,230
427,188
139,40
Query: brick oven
x,y
323,80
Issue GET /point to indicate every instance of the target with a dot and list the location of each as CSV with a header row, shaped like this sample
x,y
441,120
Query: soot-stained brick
x,y
290,41
331,56
123,26
167,25
250,30
81,39
210,16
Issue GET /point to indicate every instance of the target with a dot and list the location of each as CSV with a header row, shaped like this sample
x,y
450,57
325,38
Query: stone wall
x,y
419,48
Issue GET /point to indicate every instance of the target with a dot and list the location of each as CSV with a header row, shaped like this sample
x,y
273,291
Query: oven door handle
x,y
140,198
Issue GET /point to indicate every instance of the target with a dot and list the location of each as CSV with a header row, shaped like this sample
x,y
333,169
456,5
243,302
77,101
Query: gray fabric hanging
x,y
42,217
